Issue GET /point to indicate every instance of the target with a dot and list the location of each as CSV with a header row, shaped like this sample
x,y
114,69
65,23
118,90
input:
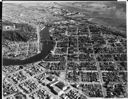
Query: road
x,y
98,68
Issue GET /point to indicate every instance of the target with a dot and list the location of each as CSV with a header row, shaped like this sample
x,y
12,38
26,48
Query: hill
x,y
23,32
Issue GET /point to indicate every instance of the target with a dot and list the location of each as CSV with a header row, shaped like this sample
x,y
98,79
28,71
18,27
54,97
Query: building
x,y
60,85
9,27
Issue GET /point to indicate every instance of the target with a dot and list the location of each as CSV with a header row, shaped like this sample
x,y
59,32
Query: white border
x,y
83,1
121,0
127,39
44,1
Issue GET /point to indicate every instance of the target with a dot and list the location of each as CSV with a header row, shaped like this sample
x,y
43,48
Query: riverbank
x,y
48,45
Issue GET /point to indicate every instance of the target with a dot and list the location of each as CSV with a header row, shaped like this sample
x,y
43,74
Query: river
x,y
48,45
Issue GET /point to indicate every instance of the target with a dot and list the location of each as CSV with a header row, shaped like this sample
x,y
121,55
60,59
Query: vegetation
x,y
22,32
